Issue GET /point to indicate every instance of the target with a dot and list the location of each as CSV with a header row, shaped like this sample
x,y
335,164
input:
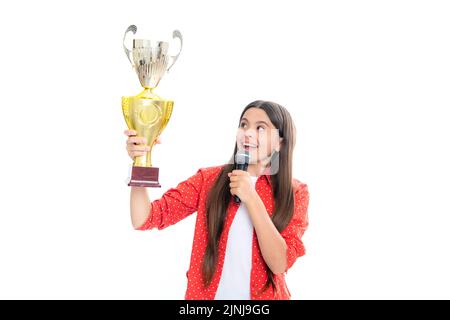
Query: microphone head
x,y
242,157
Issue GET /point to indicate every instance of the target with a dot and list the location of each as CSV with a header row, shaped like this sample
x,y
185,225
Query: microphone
x,y
241,161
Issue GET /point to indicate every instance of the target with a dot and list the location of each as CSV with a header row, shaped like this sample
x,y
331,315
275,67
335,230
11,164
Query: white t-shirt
x,y
235,280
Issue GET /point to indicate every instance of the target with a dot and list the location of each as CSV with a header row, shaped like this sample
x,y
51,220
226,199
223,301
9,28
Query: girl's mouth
x,y
250,146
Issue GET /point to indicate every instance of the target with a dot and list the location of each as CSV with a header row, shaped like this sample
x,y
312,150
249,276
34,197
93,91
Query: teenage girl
x,y
241,250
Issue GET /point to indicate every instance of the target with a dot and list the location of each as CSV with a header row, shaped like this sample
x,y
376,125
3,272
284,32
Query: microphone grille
x,y
242,157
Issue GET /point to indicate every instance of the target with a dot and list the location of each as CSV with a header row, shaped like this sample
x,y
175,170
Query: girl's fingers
x,y
130,132
137,146
136,140
138,154
141,140
135,151
133,148
240,173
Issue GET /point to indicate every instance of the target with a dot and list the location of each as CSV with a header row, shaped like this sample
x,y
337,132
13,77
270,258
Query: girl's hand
x,y
241,185
137,146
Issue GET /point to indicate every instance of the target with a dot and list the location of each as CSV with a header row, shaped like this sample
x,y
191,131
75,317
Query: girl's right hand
x,y
137,146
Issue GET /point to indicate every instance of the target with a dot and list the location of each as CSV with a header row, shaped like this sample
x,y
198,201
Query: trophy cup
x,y
147,113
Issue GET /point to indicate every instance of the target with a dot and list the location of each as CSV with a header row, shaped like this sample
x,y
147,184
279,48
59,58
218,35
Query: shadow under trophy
x,y
147,113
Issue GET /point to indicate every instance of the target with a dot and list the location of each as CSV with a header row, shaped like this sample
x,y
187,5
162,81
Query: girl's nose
x,y
250,133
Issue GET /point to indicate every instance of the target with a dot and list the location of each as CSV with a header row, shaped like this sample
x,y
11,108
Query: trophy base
x,y
144,177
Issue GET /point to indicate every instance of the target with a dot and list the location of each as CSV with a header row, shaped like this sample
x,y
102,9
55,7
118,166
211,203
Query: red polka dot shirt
x,y
190,196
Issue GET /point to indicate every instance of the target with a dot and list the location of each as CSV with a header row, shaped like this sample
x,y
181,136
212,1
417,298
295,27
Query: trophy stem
x,y
143,161
149,94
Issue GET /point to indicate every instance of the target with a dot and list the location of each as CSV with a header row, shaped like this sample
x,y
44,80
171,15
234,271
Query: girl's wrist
x,y
253,199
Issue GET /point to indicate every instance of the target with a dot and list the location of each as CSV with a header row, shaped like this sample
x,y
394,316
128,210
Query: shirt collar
x,y
266,175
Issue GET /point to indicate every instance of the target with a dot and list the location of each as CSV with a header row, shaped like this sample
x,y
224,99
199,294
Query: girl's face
x,y
257,135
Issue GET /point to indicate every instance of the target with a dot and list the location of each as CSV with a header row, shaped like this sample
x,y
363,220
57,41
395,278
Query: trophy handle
x,y
176,34
133,29
126,111
166,115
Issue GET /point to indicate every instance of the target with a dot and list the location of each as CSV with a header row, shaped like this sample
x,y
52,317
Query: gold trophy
x,y
147,113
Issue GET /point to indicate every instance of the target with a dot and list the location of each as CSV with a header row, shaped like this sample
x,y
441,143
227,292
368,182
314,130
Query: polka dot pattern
x,y
190,196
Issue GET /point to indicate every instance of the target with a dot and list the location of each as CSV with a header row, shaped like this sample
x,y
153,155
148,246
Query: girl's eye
x,y
260,128
243,125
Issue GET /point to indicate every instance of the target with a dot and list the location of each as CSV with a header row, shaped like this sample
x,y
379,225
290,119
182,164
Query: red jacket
x,y
190,196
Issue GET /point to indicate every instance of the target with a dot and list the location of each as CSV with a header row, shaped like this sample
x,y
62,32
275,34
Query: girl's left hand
x,y
241,185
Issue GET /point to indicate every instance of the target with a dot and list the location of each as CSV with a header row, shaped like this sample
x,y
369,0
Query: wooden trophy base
x,y
144,177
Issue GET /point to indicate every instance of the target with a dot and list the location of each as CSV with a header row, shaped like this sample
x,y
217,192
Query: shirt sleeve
x,y
293,233
175,204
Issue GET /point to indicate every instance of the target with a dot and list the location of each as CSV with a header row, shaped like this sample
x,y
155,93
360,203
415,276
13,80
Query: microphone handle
x,y
244,168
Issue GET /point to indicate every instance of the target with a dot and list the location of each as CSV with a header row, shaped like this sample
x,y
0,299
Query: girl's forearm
x,y
140,206
272,244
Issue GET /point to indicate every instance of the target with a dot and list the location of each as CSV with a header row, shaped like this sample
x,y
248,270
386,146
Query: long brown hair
x,y
281,180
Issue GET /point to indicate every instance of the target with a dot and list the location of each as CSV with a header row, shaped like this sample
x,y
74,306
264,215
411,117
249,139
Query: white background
x,y
367,83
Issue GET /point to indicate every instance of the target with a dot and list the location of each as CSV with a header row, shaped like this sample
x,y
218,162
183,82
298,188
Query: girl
x,y
240,250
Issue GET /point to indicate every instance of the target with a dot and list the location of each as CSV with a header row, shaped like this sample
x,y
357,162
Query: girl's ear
x,y
277,148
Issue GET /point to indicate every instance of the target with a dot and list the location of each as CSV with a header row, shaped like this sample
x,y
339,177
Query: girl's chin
x,y
253,154
257,159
